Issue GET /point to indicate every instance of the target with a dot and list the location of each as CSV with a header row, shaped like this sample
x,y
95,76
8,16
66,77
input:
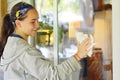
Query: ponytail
x,y
6,29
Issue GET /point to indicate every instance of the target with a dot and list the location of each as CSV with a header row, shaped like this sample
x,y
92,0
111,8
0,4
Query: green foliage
x,y
45,26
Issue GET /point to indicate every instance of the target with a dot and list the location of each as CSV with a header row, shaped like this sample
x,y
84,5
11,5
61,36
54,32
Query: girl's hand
x,y
83,49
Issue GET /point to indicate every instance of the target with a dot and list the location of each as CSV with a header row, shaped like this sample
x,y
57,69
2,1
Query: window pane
x,y
44,37
77,19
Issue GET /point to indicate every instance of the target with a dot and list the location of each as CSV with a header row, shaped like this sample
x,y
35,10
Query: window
x,y
77,17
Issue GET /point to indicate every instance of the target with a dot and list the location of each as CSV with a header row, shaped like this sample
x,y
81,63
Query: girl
x,y
21,61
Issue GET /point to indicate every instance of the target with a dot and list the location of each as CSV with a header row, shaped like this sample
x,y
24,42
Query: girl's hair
x,y
18,12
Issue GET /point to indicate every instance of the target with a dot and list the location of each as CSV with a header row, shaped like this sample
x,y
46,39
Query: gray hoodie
x,y
21,61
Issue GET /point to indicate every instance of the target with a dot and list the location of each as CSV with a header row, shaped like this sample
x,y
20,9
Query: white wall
x,y
116,39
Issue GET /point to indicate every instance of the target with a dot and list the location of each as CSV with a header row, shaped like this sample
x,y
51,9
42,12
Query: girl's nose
x,y
37,24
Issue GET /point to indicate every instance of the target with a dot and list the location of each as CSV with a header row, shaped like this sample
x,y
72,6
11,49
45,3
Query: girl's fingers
x,y
86,42
85,47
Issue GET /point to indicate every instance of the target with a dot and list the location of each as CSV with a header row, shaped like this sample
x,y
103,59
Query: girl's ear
x,y
18,23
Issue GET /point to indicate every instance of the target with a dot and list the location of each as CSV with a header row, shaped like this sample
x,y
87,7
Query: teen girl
x,y
21,61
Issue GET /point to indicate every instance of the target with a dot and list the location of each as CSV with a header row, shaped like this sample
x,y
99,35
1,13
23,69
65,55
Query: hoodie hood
x,y
14,48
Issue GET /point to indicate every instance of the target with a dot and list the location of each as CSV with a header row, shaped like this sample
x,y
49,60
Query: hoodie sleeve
x,y
43,69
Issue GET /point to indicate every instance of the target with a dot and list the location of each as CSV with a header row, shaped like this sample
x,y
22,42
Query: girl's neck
x,y
25,37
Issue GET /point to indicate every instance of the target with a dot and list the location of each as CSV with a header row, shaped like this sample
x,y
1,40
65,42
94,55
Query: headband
x,y
23,8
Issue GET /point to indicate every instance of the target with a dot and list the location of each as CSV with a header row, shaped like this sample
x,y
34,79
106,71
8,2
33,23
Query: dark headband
x,y
23,8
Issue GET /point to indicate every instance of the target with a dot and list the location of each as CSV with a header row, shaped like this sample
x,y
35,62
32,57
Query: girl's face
x,y
30,24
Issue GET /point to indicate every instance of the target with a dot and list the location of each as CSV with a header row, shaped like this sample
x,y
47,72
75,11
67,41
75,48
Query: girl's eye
x,y
32,22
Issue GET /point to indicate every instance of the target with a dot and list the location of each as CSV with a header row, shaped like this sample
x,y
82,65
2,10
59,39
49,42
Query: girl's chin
x,y
34,34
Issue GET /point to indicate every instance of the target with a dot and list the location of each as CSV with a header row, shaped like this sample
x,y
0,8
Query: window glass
x,y
44,38
78,19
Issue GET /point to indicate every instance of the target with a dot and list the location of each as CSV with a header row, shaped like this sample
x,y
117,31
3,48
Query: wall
x,y
3,9
116,39
0,14
103,37
103,31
